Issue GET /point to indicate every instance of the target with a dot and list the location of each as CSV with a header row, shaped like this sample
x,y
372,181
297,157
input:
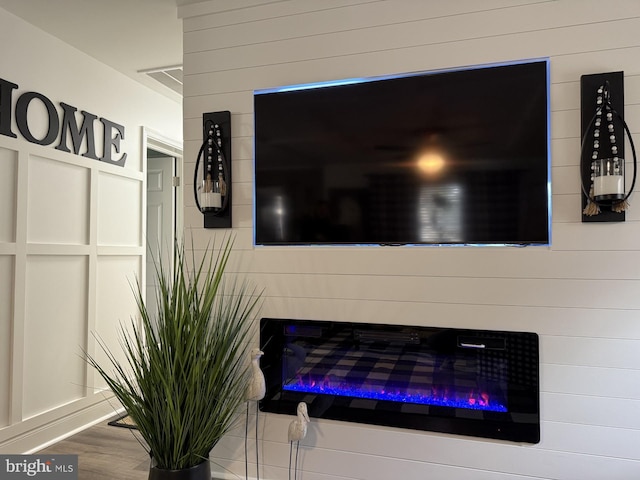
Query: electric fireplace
x,y
471,382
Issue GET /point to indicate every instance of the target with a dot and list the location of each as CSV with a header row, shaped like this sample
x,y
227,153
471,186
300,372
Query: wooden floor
x,y
105,452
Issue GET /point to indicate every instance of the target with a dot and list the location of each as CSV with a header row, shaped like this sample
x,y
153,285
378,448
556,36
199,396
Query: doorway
x,y
163,160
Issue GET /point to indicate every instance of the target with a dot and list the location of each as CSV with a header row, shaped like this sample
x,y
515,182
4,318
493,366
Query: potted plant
x,y
185,370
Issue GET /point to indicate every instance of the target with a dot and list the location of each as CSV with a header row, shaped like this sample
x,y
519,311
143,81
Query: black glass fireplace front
x,y
470,382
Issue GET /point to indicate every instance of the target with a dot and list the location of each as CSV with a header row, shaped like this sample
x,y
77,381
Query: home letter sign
x,y
57,127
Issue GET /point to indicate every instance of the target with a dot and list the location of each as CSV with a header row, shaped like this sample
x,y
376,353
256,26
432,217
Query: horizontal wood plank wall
x,y
581,295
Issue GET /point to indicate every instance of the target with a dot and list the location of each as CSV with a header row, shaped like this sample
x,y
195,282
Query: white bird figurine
x,y
298,428
297,431
256,390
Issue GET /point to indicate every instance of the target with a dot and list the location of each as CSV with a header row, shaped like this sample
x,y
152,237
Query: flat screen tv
x,y
455,157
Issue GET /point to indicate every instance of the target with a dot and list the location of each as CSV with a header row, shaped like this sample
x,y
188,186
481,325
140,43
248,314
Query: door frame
x,y
158,142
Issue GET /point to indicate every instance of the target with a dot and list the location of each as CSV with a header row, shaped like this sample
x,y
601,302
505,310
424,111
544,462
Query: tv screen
x,y
455,157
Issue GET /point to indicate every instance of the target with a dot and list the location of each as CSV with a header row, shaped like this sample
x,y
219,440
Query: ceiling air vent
x,y
168,76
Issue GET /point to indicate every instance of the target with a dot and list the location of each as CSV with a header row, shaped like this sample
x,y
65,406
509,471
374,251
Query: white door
x,y
160,220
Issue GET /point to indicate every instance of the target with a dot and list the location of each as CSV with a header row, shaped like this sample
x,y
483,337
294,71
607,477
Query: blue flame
x,y
472,402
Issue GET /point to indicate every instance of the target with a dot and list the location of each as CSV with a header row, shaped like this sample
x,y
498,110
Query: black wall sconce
x,y
212,173
602,154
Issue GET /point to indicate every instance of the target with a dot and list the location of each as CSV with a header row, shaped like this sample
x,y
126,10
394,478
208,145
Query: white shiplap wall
x,y
581,295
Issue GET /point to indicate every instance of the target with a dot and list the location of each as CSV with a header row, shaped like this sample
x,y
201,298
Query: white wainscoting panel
x,y
115,300
8,179
55,329
6,309
117,195
58,202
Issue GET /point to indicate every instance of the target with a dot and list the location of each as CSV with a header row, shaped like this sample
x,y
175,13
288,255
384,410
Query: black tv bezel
x,y
359,80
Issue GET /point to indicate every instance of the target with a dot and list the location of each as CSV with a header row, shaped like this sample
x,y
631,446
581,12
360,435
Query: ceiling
x,y
131,36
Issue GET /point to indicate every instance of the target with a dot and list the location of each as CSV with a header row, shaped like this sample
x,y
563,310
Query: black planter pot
x,y
199,472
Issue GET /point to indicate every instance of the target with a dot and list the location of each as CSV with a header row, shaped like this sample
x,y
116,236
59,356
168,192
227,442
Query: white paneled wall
x,y
581,295
71,238
53,293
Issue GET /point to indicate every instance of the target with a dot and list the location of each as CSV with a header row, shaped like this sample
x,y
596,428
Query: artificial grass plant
x,y
185,370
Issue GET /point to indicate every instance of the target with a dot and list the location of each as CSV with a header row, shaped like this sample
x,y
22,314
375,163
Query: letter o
x,y
22,105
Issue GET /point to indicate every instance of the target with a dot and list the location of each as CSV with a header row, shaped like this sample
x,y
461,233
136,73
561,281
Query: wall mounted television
x,y
452,157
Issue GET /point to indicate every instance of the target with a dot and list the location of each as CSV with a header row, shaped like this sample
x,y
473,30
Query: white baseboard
x,y
33,435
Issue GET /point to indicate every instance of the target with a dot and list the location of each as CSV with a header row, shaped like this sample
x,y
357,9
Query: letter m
x,y
69,125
